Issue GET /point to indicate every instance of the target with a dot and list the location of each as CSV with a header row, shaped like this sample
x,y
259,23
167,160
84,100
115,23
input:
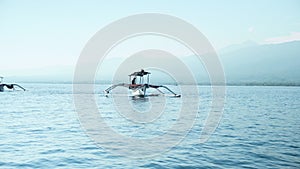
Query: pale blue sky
x,y
39,34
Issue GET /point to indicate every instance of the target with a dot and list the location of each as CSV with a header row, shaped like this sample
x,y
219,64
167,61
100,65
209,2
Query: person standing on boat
x,y
133,81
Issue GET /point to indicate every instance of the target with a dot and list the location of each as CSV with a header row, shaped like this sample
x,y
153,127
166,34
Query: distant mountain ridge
x,y
245,64
264,64
235,47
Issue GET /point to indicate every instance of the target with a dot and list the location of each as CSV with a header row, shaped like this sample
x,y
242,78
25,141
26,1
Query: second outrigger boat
x,y
139,83
8,86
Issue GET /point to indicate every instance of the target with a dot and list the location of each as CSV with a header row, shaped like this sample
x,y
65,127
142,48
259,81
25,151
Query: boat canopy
x,y
140,73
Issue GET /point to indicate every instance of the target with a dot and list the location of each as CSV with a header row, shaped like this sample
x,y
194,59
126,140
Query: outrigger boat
x,y
138,85
8,86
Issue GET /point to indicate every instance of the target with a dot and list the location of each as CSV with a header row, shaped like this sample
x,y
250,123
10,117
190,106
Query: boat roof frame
x,y
140,73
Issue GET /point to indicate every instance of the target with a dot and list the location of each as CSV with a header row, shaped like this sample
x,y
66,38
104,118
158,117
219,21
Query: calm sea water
x,y
260,128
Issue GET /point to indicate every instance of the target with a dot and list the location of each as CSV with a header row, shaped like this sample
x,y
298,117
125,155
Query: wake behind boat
x,y
138,85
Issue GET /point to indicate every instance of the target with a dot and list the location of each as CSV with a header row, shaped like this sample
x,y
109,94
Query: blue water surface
x,y
260,129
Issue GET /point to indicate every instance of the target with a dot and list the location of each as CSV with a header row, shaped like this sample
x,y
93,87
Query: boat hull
x,y
139,92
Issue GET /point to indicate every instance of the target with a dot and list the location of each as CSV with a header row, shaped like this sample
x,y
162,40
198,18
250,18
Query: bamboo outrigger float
x,y
138,85
8,86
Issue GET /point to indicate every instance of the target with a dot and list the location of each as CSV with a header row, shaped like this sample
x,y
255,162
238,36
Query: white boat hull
x,y
140,92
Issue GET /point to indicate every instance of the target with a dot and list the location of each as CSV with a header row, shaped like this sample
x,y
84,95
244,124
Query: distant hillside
x,y
235,47
264,64
244,64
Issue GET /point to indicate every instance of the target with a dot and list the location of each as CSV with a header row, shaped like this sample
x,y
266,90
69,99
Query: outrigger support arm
x,y
18,86
9,86
157,86
106,91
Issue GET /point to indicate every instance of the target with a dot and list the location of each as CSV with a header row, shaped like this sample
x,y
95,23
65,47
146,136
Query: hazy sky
x,y
38,34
